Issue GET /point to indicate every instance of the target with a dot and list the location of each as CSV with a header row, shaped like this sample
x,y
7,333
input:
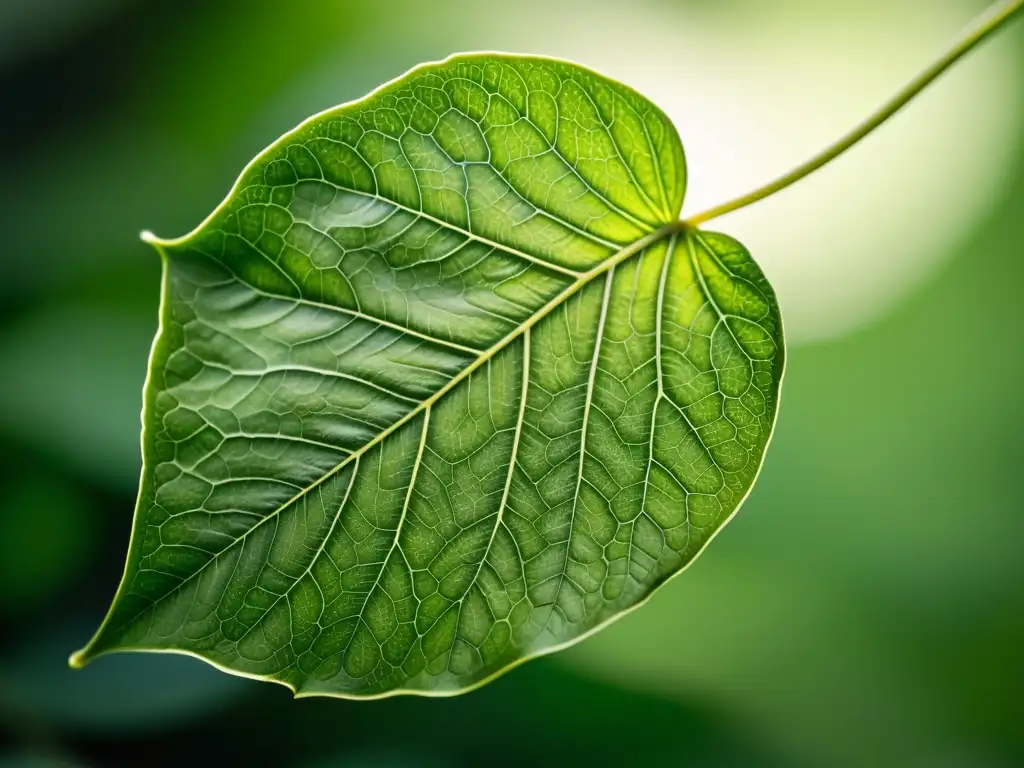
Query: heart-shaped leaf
x,y
441,386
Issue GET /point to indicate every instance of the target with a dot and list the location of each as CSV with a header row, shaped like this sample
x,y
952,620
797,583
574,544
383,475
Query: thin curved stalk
x,y
988,22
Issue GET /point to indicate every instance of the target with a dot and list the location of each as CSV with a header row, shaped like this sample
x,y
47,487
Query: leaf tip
x,y
79,659
159,244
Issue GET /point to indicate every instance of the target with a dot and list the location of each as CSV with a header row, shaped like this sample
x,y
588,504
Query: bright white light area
x,y
755,88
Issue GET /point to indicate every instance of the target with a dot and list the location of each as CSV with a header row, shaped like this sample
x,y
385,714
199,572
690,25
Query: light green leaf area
x,y
442,385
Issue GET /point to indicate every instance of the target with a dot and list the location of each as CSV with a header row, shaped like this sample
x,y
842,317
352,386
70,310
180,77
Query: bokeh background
x,y
867,605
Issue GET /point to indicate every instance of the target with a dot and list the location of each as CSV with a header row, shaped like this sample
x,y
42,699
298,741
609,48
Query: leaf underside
x,y
436,389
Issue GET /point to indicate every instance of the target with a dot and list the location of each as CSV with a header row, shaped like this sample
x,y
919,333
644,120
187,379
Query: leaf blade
x,y
378,359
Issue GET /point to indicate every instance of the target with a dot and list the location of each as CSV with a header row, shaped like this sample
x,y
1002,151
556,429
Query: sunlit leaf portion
x,y
442,385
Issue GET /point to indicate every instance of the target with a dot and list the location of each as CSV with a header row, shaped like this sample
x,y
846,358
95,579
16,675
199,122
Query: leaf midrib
x,y
424,406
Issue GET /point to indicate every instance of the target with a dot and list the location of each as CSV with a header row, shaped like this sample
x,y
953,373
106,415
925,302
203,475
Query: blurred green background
x,y
867,605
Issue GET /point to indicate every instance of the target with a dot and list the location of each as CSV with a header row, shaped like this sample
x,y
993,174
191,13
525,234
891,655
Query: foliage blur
x,y
867,605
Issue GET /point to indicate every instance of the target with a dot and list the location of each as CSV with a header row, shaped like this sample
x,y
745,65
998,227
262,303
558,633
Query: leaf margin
x,y
679,228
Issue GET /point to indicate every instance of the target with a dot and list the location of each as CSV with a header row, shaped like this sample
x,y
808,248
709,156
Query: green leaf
x,y
441,386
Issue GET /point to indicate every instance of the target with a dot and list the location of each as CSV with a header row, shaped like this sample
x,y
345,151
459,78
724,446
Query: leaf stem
x,y
984,25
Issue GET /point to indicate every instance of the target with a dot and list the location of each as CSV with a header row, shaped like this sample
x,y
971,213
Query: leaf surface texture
x,y
440,387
